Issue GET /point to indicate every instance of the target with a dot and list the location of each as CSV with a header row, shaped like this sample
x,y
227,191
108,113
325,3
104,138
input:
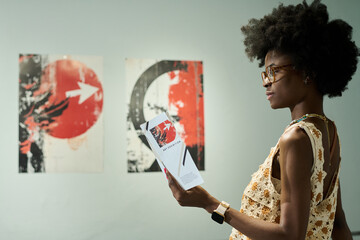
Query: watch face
x,y
217,217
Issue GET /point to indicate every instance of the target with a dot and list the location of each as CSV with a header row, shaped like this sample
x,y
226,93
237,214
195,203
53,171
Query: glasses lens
x,y
270,73
265,78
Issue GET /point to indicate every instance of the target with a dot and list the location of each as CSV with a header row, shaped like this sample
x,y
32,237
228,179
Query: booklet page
x,y
170,151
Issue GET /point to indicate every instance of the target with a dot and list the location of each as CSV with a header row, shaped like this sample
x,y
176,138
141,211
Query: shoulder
x,y
296,148
294,137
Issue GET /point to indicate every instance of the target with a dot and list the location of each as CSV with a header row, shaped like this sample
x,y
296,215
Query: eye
x,y
271,71
276,69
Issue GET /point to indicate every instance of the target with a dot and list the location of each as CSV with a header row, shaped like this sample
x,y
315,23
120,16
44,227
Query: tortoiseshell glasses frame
x,y
269,76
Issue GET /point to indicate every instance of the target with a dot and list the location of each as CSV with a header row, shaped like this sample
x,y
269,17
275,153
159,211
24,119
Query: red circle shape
x,y
65,79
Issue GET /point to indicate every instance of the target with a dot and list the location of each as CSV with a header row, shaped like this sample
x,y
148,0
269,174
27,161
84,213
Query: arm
x,y
296,159
341,230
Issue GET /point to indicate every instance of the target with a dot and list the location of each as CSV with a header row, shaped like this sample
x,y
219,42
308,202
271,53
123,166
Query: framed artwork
x,y
60,113
155,86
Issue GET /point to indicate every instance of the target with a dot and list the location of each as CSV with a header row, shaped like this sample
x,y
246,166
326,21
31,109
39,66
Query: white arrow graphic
x,y
85,92
167,126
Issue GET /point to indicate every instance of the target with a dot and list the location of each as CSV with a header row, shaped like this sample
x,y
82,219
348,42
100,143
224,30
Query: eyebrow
x,y
273,64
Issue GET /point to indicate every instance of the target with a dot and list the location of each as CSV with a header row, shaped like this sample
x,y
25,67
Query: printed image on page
x,y
171,151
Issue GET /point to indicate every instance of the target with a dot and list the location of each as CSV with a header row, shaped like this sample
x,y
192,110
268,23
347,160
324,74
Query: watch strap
x,y
221,209
219,213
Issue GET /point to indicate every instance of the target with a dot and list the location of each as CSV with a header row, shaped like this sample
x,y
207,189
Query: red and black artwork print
x,y
172,86
164,133
61,98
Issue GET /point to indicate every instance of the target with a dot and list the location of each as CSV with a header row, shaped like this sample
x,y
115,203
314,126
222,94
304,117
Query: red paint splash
x,y
32,127
187,97
25,146
23,57
164,133
62,76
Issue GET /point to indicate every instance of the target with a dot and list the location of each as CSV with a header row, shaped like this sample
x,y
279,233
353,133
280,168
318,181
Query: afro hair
x,y
323,49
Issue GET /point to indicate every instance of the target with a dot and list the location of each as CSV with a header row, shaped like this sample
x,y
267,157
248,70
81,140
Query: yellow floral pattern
x,y
261,198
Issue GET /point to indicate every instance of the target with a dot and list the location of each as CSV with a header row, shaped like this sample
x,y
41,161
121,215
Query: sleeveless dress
x,y
261,198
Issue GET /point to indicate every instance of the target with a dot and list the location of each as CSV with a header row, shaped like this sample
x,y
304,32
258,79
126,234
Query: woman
x,y
295,194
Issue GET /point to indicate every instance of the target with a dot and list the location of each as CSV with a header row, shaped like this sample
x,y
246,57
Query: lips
x,y
269,94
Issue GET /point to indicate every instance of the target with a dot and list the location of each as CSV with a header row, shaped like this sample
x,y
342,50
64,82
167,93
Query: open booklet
x,y
170,151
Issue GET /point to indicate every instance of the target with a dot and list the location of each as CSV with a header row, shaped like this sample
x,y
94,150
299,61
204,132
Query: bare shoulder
x,y
294,137
295,148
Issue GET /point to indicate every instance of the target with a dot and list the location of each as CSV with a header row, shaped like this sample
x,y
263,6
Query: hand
x,y
194,197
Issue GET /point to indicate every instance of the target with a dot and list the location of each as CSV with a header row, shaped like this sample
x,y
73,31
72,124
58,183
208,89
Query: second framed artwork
x,y
155,86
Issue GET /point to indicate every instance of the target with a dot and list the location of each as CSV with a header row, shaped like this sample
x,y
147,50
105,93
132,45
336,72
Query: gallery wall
x,y
240,127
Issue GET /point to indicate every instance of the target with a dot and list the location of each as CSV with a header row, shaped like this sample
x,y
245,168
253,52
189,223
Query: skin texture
x,y
293,167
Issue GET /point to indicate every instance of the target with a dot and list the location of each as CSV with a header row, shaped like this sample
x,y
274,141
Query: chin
x,y
272,105
275,106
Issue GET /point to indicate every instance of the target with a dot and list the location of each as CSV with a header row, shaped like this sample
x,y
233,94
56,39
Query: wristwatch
x,y
219,214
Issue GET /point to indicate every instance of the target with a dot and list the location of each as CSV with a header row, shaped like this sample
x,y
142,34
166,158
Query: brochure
x,y
170,151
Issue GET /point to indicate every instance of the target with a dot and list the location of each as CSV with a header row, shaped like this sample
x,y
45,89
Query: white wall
x,y
118,205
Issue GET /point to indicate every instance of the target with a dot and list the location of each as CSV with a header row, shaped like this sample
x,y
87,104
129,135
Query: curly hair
x,y
323,49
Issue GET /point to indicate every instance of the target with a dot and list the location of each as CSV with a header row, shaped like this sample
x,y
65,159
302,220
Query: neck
x,y
307,107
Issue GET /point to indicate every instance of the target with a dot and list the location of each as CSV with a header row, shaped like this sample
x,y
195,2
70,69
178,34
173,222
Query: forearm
x,y
251,227
256,228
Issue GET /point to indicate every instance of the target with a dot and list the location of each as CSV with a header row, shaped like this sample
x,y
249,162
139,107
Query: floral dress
x,y
261,198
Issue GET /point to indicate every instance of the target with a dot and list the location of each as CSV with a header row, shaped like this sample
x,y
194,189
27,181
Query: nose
x,y
266,84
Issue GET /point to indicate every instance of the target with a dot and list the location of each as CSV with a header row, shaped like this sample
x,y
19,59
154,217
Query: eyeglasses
x,y
270,73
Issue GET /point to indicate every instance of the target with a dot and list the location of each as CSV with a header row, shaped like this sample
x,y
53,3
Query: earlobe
x,y
307,80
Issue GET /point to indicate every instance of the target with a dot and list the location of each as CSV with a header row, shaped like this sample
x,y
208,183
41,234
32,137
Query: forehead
x,y
277,58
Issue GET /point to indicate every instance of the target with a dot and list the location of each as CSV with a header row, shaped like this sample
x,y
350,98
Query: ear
x,y
307,80
309,77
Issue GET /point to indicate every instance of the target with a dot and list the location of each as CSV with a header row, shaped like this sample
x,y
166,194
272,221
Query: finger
x,y
165,170
173,184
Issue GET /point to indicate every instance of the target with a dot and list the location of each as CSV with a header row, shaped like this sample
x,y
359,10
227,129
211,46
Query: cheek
x,y
285,96
281,99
